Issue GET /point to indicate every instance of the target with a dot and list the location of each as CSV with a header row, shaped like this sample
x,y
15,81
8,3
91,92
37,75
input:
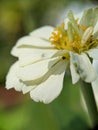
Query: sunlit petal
x,y
90,17
93,53
83,67
12,81
43,32
36,70
36,55
95,83
50,88
74,72
31,43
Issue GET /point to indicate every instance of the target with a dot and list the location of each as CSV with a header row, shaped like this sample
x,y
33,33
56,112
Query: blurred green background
x,y
18,111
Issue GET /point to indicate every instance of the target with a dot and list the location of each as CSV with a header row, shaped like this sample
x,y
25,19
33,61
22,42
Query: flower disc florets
x,y
73,36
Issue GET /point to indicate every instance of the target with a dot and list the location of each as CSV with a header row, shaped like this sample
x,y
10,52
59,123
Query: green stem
x,y
89,98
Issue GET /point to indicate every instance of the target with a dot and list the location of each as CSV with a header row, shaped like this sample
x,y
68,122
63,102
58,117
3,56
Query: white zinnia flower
x,y
46,53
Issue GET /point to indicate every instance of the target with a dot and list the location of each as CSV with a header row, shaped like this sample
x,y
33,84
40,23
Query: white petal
x,y
89,17
93,53
32,51
31,84
11,80
96,28
50,88
31,43
95,83
26,89
35,55
37,39
95,89
84,67
95,65
43,32
36,70
18,51
74,73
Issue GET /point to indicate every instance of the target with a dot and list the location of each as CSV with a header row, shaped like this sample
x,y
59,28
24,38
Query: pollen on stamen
x,y
58,38
61,39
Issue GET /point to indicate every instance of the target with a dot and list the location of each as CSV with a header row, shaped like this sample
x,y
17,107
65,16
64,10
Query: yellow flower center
x,y
69,39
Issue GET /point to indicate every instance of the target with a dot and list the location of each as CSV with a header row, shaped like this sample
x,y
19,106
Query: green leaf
x,y
76,124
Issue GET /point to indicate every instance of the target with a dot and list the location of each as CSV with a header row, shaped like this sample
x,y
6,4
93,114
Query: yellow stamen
x,y
60,38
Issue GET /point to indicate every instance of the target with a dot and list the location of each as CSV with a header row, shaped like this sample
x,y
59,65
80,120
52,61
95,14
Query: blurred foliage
x,y
65,113
18,18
